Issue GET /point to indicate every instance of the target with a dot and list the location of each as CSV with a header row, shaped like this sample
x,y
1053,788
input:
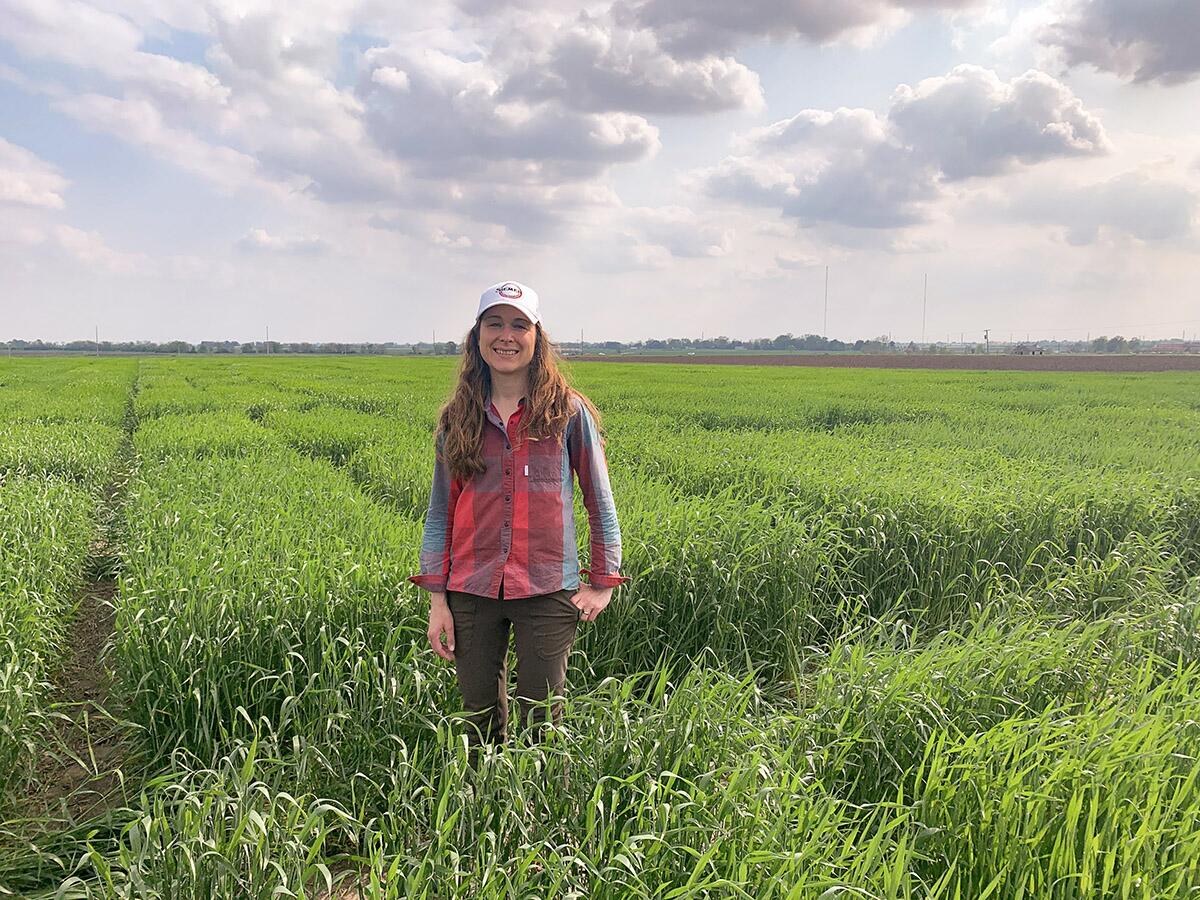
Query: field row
x,y
60,432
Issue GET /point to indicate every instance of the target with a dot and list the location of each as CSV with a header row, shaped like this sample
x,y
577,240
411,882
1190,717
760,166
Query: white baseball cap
x,y
522,296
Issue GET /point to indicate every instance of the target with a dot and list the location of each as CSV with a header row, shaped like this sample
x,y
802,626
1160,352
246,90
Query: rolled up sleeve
x,y
587,461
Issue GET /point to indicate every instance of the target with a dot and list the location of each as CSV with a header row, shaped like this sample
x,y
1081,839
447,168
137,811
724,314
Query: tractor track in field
x,y
82,777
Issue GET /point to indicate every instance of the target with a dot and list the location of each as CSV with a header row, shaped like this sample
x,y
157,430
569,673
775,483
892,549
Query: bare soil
x,y
82,777
993,361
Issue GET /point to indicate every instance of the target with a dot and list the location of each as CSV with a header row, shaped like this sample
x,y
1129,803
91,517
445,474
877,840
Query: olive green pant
x,y
544,628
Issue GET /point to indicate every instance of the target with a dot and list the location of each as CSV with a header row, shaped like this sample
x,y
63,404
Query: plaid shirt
x,y
515,522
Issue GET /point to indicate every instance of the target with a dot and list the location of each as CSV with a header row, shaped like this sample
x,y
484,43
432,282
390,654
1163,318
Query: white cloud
x,y
793,261
621,253
1139,40
260,240
28,180
79,34
643,238
392,78
747,179
492,128
441,238
596,65
453,122
706,26
1135,204
971,123
680,231
90,248
266,114
20,234
140,122
778,267
857,168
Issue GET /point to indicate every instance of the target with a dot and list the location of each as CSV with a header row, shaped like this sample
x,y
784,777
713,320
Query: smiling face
x,y
506,338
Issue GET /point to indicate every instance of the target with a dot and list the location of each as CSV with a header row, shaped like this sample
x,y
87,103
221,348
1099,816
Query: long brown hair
x,y
548,408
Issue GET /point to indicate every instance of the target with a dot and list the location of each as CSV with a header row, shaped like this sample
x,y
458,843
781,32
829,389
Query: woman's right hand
x,y
441,620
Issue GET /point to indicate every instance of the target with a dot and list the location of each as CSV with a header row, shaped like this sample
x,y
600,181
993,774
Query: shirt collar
x,y
494,414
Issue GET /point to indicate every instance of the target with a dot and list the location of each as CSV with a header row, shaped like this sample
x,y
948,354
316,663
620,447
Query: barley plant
x,y
60,429
889,635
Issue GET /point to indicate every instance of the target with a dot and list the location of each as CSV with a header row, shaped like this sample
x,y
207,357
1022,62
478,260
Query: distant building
x,y
1174,347
1024,349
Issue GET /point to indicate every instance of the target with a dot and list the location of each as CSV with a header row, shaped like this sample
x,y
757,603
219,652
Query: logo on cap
x,y
511,291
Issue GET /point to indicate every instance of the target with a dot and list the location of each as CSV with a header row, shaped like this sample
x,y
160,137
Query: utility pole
x,y
825,326
987,344
268,340
924,306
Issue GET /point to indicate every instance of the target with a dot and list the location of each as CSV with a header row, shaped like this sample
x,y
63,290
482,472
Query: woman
x,y
499,542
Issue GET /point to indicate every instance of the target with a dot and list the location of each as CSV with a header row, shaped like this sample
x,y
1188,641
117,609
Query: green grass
x,y
889,634
60,430
45,525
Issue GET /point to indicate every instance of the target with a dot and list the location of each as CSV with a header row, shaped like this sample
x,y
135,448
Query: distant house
x,y
1172,347
1024,349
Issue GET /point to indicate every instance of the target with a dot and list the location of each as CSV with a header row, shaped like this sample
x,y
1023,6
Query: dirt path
x,y
82,775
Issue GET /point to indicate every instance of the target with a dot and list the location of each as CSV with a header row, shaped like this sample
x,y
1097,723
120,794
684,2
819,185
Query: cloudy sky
x,y
343,170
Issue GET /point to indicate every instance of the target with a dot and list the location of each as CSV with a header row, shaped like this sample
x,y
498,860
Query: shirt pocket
x,y
545,462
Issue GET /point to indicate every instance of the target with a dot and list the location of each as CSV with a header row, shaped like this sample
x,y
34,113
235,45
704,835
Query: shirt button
x,y
507,498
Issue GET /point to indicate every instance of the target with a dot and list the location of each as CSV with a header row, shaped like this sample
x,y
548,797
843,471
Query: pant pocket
x,y
556,624
566,598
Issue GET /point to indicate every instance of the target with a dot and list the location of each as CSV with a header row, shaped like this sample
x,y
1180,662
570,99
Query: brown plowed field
x,y
994,361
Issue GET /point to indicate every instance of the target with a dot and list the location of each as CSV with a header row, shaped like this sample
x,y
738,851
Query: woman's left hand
x,y
591,600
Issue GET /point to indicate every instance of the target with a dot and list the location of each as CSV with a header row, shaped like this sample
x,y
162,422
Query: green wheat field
x,y
889,634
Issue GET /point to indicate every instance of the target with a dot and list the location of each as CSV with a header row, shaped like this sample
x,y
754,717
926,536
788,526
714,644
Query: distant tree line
x,y
1116,344
780,343
251,348
783,342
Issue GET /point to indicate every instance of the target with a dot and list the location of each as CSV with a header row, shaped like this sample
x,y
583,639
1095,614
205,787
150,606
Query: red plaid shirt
x,y
514,523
